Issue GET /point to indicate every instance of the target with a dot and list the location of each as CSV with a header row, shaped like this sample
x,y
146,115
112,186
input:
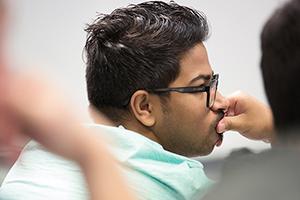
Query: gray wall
x,y
48,36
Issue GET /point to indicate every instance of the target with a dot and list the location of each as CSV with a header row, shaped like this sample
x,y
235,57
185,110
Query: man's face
x,y
185,125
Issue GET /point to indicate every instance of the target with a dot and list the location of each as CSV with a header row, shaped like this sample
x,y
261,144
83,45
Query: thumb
x,y
234,123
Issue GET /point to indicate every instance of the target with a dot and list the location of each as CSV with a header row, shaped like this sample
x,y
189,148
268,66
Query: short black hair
x,y
138,47
280,64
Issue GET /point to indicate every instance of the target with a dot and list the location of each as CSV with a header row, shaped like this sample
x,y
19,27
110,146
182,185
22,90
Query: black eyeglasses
x,y
210,89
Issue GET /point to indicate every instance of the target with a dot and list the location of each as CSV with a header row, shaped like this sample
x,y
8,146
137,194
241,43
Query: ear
x,y
142,107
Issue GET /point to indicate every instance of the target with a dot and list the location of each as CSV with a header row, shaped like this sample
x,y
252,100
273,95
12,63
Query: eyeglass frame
x,y
193,89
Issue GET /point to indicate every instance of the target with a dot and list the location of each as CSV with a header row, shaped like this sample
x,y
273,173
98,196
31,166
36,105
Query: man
x,y
273,174
148,71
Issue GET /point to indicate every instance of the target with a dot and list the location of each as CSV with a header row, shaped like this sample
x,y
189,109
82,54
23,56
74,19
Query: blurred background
x,y
48,36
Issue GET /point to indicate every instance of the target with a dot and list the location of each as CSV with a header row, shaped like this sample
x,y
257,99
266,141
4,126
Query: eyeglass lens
x,y
212,93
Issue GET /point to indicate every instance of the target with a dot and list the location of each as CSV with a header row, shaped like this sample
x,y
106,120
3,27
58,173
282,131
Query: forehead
x,y
193,63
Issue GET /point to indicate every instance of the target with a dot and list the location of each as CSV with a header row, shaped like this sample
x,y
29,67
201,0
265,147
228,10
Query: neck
x,y
137,127
100,118
130,124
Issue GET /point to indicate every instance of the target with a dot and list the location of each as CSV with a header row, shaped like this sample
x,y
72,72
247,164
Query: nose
x,y
221,104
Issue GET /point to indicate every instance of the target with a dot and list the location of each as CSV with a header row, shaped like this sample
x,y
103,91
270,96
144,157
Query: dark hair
x,y
280,64
138,47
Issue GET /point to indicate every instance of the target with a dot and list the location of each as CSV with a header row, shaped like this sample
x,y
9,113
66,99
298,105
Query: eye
x,y
201,85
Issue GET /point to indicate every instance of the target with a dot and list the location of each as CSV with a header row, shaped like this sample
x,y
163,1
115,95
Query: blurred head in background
x,y
280,64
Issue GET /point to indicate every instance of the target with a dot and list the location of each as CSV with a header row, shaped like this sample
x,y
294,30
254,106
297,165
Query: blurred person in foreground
x,y
273,174
148,72
29,106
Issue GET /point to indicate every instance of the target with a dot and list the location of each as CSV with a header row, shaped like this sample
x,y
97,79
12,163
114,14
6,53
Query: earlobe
x,y
142,108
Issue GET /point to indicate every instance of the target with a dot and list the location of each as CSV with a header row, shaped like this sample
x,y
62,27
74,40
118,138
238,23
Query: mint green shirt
x,y
151,172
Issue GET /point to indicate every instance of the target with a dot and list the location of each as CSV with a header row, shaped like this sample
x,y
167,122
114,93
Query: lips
x,y
220,140
220,135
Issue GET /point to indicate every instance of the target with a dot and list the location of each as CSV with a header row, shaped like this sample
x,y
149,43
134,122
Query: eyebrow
x,y
202,77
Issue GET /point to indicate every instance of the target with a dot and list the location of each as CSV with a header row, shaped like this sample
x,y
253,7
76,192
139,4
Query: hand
x,y
33,108
30,107
11,141
248,116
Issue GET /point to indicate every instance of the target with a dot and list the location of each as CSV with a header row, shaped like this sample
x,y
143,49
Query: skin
x,y
183,125
242,117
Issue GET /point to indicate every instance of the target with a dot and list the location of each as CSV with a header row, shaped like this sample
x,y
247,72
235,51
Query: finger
x,y
231,106
236,104
235,123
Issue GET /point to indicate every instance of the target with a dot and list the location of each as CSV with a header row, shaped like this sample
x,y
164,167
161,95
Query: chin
x,y
207,151
202,153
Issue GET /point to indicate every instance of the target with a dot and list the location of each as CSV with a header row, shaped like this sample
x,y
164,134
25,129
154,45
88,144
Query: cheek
x,y
192,114
196,102
192,107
